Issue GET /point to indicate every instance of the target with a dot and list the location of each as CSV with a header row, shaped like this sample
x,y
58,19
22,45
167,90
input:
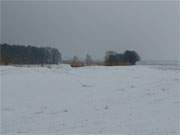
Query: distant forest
x,y
20,54
127,58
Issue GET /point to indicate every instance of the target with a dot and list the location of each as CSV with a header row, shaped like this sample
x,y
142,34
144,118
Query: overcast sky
x,y
77,28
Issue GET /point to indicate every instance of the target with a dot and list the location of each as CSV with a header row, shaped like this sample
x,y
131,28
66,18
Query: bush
x,y
127,58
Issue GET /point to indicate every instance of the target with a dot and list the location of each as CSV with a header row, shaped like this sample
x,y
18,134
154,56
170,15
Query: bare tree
x,y
76,62
88,60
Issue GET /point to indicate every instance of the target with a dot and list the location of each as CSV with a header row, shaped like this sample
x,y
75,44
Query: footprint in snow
x,y
136,77
8,109
39,112
132,86
163,89
54,113
122,89
150,93
176,79
43,107
106,107
65,110
86,85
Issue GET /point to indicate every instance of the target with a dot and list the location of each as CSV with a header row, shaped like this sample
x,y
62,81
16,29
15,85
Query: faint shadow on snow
x,y
86,85
8,109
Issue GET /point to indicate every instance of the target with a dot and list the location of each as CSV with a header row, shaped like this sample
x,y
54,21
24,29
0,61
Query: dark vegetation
x,y
111,59
19,54
127,58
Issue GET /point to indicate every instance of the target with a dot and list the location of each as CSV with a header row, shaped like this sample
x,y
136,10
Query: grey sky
x,y
77,28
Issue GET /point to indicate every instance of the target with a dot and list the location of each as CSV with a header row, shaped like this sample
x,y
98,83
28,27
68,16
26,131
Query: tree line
x,y
20,54
111,59
127,58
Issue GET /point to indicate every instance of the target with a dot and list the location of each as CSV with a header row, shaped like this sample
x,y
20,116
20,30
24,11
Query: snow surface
x,y
58,100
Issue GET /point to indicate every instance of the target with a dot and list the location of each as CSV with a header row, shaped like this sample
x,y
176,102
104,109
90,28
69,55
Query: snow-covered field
x,y
57,100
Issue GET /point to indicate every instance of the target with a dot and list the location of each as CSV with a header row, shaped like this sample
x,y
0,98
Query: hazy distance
x,y
78,28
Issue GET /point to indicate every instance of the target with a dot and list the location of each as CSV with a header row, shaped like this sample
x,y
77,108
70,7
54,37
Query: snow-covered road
x,y
124,100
